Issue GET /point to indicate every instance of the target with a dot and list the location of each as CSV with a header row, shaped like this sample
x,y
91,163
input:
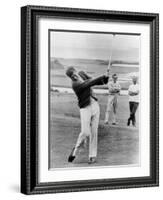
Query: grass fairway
x,y
117,145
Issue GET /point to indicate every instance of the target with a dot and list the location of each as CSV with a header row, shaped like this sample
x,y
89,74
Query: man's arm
x,y
91,82
113,89
118,89
84,75
133,93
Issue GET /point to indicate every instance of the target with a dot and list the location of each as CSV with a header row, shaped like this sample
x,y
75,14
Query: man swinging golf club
x,y
89,110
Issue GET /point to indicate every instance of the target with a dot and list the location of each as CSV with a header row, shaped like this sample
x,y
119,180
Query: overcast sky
x,y
94,46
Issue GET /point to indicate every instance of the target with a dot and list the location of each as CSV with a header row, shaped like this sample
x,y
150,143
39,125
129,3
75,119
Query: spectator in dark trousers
x,y
133,92
89,110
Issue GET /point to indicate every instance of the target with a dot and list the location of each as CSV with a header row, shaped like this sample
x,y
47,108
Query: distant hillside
x,y
91,61
124,69
94,68
55,64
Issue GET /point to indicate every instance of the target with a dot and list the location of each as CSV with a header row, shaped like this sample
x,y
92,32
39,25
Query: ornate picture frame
x,y
37,21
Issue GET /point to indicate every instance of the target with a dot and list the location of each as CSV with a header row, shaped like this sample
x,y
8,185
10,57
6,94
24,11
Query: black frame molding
x,y
29,99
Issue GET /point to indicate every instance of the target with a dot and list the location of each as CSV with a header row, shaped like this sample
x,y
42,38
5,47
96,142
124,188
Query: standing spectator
x,y
133,92
112,104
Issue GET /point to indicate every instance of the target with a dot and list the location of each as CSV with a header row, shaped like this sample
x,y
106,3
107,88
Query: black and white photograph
x,y
94,99
89,100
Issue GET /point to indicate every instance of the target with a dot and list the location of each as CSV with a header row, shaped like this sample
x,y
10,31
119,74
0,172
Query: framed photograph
x,y
89,99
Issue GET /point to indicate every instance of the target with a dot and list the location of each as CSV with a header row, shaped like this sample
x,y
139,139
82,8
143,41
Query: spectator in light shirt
x,y
133,93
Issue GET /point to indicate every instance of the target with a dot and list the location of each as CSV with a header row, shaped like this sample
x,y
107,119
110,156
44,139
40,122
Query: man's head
x,y
72,73
134,79
114,77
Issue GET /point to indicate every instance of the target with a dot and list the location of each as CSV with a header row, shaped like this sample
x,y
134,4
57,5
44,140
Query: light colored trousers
x,y
111,107
89,128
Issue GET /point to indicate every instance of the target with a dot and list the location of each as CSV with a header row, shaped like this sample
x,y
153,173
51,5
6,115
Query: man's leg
x,y
94,133
114,110
131,116
135,106
85,117
109,108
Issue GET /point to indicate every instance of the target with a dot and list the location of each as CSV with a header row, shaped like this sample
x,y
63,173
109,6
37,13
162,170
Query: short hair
x,y
134,77
114,76
70,71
